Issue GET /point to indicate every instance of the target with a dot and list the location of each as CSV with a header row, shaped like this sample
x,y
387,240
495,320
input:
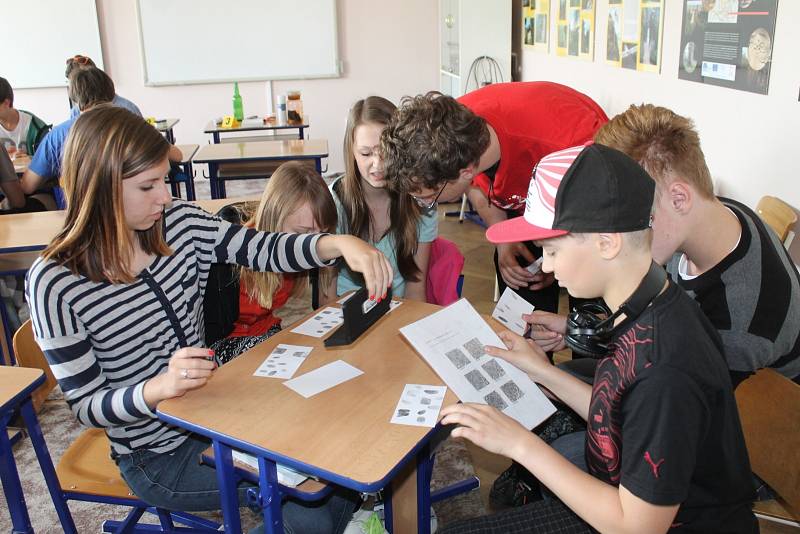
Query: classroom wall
x,y
388,49
750,140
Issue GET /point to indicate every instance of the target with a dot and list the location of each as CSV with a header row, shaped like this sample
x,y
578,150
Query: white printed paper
x,y
323,378
536,266
419,405
321,323
283,361
509,311
286,475
452,340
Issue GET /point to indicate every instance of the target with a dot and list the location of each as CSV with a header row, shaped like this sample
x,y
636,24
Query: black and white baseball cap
x,y
583,189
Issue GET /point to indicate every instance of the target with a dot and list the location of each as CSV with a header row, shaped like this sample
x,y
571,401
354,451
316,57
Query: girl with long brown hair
x,y
393,222
116,305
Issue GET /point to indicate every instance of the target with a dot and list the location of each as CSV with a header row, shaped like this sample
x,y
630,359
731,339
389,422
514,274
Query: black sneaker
x,y
514,487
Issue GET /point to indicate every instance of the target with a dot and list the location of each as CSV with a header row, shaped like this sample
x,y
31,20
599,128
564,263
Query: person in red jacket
x,y
488,142
295,200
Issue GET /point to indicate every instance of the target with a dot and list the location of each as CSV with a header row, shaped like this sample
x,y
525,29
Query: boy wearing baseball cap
x,y
664,446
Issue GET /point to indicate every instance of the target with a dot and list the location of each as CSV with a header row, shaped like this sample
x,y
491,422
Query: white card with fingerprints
x,y
321,323
283,362
419,405
452,341
509,311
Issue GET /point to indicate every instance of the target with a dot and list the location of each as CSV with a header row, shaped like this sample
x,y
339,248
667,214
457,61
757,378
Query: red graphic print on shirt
x,y
653,465
614,374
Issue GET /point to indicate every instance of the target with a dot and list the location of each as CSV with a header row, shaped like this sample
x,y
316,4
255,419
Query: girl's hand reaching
x,y
362,258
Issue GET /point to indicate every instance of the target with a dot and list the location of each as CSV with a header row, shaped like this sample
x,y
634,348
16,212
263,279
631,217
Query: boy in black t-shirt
x,y
664,446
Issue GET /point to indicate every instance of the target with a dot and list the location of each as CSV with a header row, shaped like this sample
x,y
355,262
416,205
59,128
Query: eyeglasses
x,y
422,203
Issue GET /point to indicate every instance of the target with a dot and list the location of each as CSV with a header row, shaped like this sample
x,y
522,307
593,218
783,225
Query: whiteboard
x,y
39,35
205,41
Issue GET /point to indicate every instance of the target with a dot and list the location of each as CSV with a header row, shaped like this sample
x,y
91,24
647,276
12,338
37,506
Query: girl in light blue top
x,y
394,223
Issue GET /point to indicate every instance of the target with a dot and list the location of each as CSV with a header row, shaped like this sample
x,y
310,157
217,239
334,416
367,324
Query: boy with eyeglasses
x,y
486,143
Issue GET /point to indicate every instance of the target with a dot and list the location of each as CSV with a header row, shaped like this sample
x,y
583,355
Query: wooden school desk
x,y
16,386
181,172
165,127
257,151
262,129
341,435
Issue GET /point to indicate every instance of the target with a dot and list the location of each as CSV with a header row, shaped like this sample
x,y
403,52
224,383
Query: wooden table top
x,y
16,383
262,150
344,430
30,231
168,124
188,151
212,127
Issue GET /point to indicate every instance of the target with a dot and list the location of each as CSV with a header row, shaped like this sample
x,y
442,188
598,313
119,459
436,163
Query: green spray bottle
x,y
238,110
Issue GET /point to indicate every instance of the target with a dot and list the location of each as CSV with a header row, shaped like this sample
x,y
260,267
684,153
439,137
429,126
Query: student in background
x,y
295,200
368,208
82,62
20,131
487,142
88,88
116,300
664,449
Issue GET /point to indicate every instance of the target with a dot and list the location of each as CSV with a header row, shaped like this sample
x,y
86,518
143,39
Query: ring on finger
x,y
185,373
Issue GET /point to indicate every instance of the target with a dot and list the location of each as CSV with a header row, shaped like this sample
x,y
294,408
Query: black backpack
x,y
221,301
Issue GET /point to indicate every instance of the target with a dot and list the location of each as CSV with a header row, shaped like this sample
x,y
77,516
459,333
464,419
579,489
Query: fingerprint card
x,y
321,323
283,361
509,311
419,405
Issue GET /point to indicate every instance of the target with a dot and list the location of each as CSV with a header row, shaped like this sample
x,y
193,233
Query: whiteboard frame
x,y
148,83
97,58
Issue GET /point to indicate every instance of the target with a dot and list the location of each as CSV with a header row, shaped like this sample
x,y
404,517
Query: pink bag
x,y
444,270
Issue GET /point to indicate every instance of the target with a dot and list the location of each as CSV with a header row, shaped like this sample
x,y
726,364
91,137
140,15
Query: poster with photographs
x,y
635,34
536,24
728,43
575,27
562,28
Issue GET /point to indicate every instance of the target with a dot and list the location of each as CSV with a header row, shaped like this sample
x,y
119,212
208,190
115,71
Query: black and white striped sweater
x,y
104,341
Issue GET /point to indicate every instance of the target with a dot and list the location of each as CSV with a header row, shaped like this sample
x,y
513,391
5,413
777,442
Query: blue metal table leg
x,y
424,470
229,498
12,487
46,465
388,518
215,136
187,169
7,331
270,496
318,165
212,179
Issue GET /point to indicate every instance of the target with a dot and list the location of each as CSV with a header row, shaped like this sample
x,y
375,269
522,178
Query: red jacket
x,y
253,319
532,120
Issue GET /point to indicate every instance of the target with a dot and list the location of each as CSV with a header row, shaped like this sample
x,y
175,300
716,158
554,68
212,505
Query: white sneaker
x,y
363,523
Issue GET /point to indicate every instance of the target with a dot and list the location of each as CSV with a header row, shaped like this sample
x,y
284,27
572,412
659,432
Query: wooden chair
x,y
86,471
768,407
29,354
778,215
